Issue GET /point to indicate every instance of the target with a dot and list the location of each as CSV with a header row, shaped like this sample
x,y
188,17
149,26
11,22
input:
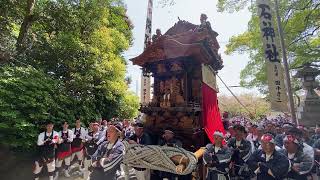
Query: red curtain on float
x,y
210,112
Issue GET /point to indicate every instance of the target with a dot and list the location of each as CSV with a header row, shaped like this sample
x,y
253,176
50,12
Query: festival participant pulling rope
x,y
162,158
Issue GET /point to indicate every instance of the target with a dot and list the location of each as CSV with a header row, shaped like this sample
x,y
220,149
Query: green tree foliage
x,y
129,106
27,96
301,22
73,47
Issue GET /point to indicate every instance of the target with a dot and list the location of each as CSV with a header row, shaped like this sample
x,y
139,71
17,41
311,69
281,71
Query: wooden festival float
x,y
178,62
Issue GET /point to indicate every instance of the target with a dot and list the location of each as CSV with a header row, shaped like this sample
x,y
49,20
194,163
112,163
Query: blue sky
x,y
227,25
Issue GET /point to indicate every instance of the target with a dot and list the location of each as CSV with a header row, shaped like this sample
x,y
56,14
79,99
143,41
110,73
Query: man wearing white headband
x,y
301,163
217,158
267,163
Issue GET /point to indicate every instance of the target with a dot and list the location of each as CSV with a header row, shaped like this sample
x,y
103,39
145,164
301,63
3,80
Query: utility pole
x,y
286,65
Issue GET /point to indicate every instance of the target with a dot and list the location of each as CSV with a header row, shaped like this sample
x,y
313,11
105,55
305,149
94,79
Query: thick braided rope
x,y
157,158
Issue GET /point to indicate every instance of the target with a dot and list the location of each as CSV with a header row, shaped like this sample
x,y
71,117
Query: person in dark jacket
x,y
241,152
279,137
140,137
217,158
316,136
107,158
267,163
169,139
301,162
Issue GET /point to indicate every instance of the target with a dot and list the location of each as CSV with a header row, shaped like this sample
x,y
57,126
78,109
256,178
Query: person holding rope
x,y
47,141
64,150
217,158
107,158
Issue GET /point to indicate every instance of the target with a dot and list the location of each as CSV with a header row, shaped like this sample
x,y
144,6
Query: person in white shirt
x,y
46,145
64,149
77,144
91,145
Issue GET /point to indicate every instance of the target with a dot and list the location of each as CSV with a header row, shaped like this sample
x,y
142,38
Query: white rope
x,y
234,95
157,158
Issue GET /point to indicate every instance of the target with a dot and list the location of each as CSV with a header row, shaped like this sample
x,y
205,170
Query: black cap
x,y
254,126
118,125
169,129
138,123
240,128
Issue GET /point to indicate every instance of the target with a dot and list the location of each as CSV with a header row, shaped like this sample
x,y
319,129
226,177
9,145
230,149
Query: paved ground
x,y
76,176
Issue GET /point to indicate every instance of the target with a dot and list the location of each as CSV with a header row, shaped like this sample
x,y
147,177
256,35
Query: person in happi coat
x,y
256,142
128,130
253,134
297,133
46,151
270,126
217,158
229,132
91,145
140,137
107,158
279,137
305,135
315,136
64,150
77,144
169,139
316,147
267,163
301,162
103,130
241,152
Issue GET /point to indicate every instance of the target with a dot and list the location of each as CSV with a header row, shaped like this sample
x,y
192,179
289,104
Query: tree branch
x,y
302,37
25,26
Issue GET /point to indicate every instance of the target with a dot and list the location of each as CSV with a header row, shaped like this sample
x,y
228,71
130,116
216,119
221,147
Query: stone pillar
x,y
309,110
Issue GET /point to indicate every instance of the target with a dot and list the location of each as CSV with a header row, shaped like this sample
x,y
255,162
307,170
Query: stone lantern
x,y
309,110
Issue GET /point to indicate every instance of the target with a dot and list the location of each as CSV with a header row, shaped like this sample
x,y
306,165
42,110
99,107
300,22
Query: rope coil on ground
x,y
157,158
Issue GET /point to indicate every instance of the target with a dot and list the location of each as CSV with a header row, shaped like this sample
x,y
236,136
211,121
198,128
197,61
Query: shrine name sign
x,y
278,95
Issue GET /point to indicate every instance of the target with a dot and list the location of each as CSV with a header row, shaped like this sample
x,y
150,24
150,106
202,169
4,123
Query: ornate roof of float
x,y
184,39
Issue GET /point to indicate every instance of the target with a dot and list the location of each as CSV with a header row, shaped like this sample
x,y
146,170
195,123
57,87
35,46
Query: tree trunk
x,y
298,99
27,21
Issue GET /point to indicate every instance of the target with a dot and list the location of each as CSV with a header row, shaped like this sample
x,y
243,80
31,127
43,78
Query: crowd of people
x,y
271,149
96,152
